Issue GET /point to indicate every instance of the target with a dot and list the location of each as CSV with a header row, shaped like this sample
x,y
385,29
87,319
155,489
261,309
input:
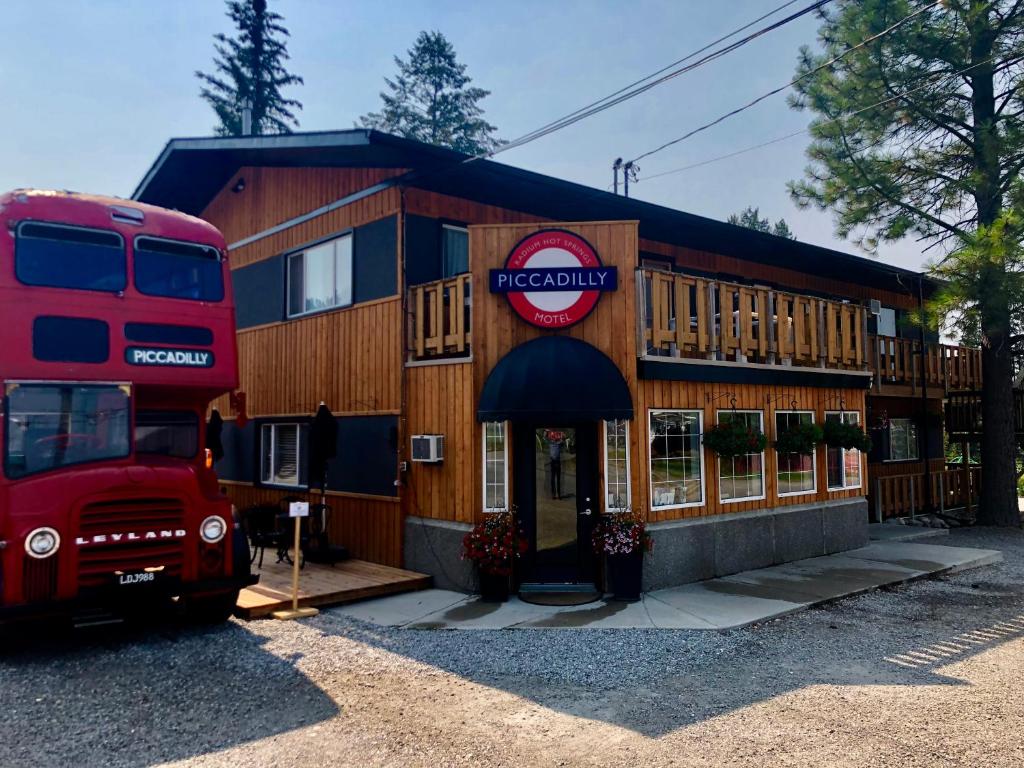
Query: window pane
x,y
616,465
343,271
69,257
675,458
834,459
913,445
167,433
454,251
897,439
296,285
178,270
51,426
494,466
266,453
286,454
741,477
796,471
319,278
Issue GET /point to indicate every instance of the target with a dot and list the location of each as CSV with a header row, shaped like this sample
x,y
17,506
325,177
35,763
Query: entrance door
x,y
558,483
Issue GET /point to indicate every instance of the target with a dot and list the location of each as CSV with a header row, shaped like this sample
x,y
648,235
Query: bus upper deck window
x,y
178,270
61,256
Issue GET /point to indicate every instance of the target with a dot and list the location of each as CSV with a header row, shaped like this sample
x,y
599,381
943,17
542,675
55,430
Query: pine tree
x,y
750,217
430,100
920,133
250,68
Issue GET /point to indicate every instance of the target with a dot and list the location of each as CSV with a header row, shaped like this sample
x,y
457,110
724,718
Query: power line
x,y
802,131
642,80
630,92
780,89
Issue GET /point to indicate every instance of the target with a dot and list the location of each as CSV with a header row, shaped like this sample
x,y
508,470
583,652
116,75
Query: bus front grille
x,y
129,536
39,579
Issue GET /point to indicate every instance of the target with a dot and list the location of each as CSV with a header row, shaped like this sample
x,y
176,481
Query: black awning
x,y
555,379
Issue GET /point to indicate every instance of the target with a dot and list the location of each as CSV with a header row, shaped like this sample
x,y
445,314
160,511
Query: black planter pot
x,y
494,588
625,573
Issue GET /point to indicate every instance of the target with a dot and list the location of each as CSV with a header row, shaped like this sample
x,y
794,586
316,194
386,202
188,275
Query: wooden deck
x,y
324,585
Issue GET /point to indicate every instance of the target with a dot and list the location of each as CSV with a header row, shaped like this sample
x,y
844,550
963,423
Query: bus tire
x,y
211,609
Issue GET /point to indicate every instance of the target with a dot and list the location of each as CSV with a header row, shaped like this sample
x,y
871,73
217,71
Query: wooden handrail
x,y
440,319
694,317
947,367
952,488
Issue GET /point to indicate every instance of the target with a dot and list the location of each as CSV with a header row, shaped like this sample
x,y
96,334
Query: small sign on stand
x,y
296,510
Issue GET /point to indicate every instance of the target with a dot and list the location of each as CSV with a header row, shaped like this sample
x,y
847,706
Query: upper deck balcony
x,y
688,319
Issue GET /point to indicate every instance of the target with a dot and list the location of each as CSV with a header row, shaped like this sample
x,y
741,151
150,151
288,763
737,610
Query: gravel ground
x,y
927,674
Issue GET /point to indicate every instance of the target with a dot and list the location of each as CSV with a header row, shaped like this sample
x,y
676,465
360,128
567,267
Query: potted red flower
x,y
623,539
494,545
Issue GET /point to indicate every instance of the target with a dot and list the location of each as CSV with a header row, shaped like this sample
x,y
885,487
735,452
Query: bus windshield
x,y
167,433
60,256
178,270
55,425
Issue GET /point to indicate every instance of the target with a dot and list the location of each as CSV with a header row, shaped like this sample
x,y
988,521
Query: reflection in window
x,y
676,469
178,270
167,433
616,465
454,251
903,442
52,426
741,477
796,472
69,257
495,466
843,464
320,277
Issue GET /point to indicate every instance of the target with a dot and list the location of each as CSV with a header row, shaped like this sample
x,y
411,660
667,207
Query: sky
x,y
93,90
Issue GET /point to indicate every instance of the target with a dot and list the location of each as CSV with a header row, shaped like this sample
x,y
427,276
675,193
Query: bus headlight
x,y
213,529
42,543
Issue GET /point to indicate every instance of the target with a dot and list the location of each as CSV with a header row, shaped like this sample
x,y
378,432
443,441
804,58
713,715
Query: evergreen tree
x,y
920,133
430,100
750,217
250,68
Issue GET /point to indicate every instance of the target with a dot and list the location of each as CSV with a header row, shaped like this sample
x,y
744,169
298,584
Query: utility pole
x,y
615,174
630,169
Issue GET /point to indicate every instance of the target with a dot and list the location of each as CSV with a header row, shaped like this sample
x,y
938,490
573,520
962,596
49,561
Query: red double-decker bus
x,y
116,332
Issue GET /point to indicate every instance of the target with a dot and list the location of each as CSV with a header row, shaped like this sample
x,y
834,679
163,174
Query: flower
x,y
621,534
495,543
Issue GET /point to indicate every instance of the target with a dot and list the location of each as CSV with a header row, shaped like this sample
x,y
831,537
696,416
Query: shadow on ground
x,y
657,681
145,693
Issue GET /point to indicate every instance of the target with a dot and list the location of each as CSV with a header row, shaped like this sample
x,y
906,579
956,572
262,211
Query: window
x,y
742,477
796,471
495,466
903,443
59,256
178,270
454,250
281,453
843,464
53,426
320,277
677,461
167,433
616,465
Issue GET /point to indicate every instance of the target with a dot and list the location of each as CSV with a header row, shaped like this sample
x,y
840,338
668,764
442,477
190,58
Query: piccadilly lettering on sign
x,y
187,358
553,278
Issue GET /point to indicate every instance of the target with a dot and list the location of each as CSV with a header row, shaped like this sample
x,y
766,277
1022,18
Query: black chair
x,y
260,523
319,548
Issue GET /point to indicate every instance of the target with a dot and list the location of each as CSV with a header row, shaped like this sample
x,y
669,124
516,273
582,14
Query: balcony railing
x,y
693,317
440,319
897,361
955,487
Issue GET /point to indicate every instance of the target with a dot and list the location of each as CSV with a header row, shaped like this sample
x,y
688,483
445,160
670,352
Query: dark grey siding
x,y
367,459
259,292
375,247
422,249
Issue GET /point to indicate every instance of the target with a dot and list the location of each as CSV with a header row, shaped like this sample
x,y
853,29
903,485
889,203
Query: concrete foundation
x,y
703,548
435,547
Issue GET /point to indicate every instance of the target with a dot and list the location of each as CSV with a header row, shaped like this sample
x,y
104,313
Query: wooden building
x,y
418,296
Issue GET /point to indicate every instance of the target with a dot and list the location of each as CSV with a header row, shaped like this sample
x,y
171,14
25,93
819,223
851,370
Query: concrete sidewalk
x,y
724,603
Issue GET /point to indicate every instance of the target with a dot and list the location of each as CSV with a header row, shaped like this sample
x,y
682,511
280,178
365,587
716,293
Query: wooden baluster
x,y
459,315
684,338
831,353
420,332
702,315
782,326
764,320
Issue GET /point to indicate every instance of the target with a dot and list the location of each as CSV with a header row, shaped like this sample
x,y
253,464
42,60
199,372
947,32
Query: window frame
x,y
916,443
629,485
842,456
301,252
700,451
178,412
764,484
75,227
483,455
458,228
219,261
814,457
298,424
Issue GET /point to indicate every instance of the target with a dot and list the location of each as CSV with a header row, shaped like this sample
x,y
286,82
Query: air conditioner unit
x,y
428,448
875,306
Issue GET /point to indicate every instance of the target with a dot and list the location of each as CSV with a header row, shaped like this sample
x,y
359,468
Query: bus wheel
x,y
211,609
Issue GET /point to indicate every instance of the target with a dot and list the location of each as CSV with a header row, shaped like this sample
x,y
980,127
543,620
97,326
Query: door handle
x,y
585,512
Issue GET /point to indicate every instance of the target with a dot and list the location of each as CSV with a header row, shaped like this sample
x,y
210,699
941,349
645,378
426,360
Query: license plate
x,y
130,579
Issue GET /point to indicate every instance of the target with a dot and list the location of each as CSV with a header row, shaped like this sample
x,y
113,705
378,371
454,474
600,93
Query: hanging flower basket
x,y
839,434
734,438
800,438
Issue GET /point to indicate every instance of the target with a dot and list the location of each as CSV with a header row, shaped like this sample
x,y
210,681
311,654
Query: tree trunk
x,y
998,461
